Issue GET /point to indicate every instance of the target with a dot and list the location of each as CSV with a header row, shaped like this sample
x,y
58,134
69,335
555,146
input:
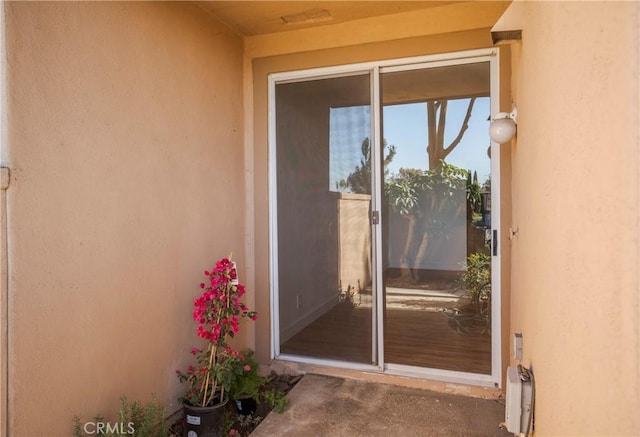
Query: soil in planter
x,y
245,424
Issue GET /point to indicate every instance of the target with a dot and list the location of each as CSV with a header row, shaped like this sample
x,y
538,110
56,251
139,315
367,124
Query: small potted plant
x,y
246,382
217,311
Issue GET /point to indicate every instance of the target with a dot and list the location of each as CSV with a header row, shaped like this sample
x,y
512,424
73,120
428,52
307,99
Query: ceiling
x,y
250,18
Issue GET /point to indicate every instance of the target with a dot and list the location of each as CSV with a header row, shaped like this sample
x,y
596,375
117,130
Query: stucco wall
x,y
126,150
575,203
354,242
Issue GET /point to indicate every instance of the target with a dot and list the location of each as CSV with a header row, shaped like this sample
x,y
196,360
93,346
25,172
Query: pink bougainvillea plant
x,y
217,311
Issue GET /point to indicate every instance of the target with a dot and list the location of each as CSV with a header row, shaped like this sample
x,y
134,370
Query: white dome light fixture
x,y
503,126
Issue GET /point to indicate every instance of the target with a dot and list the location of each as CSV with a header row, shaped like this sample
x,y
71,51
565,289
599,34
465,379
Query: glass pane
x,y
437,266
324,203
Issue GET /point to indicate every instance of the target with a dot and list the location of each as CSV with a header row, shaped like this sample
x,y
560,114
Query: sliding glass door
x,y
323,170
437,282
383,179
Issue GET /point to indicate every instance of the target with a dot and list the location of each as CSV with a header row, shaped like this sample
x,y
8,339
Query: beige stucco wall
x,y
575,293
354,242
126,150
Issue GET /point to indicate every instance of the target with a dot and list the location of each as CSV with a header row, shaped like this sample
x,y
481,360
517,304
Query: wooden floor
x,y
416,337
343,333
428,339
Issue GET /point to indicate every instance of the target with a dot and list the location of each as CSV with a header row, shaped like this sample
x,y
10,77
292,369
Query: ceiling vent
x,y
310,16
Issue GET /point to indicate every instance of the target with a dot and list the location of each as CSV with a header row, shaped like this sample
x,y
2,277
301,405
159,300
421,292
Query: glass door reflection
x,y
437,286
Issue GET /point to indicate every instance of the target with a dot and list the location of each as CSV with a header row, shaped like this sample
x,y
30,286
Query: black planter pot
x,y
204,421
246,406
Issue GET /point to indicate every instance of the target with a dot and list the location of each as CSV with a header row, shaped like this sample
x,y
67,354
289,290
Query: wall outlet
x,y
298,301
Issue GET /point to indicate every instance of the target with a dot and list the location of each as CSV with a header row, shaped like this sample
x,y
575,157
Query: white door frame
x,y
375,69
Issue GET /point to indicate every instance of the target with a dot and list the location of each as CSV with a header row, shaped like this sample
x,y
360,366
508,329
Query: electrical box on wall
x,y
518,409
517,346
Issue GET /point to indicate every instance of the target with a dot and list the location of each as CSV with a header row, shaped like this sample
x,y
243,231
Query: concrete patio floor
x,y
329,406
